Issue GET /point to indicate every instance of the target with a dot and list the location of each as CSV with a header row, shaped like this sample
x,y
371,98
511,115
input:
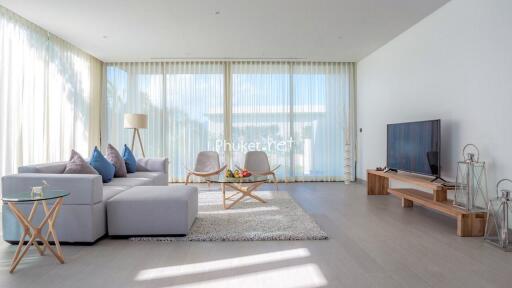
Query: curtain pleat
x,y
49,96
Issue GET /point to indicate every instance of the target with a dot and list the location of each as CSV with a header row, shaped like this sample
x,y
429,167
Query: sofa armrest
x,y
48,168
153,165
84,189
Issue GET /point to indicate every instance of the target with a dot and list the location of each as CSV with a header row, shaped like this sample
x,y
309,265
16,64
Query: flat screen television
x,y
415,147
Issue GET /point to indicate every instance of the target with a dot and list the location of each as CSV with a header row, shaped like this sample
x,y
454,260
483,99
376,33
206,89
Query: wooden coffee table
x,y
244,187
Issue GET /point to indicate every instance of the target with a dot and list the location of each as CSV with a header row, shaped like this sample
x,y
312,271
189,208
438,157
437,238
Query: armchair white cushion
x,y
207,164
257,163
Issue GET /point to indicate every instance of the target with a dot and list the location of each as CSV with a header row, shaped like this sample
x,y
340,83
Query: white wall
x,y
454,65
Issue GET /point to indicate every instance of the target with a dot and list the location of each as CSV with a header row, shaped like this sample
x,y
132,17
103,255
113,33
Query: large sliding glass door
x,y
296,112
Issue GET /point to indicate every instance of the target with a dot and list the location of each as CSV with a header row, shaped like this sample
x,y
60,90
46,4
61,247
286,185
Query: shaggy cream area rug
x,y
278,219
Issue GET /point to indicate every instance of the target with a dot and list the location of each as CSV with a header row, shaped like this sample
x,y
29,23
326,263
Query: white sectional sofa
x,y
82,219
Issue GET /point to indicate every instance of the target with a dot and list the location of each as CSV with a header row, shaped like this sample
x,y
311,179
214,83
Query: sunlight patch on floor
x,y
299,276
231,263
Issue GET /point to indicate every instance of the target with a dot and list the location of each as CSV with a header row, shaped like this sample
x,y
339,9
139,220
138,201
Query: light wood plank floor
x,y
373,243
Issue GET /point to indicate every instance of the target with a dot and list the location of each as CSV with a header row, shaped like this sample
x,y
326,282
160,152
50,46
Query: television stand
x,y
468,224
390,170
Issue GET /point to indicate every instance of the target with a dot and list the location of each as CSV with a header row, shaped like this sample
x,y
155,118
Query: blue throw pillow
x,y
102,165
129,159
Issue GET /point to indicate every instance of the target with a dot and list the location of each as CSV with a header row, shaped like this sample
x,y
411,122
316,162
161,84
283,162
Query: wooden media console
x,y
468,224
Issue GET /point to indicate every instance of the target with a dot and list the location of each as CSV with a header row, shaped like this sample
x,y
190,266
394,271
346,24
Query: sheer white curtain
x,y
261,112
307,103
135,88
301,114
195,106
49,96
184,102
322,121
74,94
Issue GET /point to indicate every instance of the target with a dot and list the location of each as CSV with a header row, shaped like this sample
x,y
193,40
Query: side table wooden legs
x,y
35,233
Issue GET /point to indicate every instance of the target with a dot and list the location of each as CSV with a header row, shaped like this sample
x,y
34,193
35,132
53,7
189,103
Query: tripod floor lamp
x,y
136,122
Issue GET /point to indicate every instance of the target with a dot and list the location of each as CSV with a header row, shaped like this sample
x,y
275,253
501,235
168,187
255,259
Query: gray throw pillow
x,y
78,165
117,160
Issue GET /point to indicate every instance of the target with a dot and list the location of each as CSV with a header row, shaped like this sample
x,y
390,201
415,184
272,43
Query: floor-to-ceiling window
x,y
194,94
320,118
261,112
184,103
49,96
297,112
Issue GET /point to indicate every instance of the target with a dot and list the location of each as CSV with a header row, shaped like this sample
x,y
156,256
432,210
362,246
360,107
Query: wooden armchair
x,y
207,164
257,163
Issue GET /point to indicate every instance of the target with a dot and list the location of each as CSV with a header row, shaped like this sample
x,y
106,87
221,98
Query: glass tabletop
x,y
223,179
31,197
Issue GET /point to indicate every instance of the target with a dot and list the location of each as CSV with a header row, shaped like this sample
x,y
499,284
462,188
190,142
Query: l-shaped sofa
x,y
82,219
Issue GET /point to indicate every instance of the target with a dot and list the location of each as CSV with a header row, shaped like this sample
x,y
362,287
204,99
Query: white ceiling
x,y
137,30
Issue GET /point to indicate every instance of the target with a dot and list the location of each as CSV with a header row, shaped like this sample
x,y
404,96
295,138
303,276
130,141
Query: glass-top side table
x,y
32,230
244,186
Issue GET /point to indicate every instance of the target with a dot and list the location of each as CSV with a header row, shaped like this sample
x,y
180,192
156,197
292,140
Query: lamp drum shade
x,y
139,121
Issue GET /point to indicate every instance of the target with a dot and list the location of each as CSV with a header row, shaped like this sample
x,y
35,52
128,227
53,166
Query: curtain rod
x,y
228,60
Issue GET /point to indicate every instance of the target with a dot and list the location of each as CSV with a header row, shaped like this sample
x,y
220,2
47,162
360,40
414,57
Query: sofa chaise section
x,y
152,210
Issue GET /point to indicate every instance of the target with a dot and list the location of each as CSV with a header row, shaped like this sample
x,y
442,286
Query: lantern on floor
x,y
471,182
498,230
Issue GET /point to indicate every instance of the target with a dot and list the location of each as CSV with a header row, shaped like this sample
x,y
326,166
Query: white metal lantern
x,y
498,230
471,182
